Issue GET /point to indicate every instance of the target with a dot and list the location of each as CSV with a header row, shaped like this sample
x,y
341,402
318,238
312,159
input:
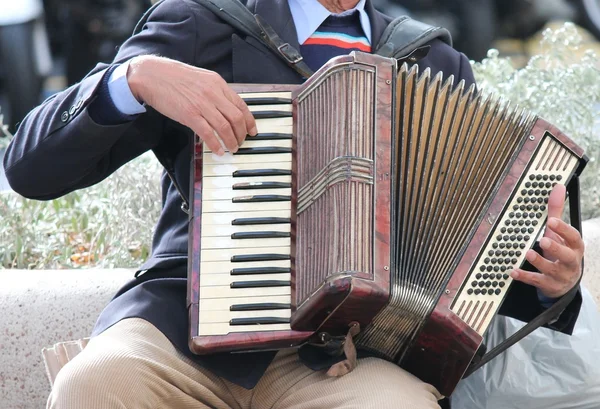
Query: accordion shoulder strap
x,y
239,17
404,36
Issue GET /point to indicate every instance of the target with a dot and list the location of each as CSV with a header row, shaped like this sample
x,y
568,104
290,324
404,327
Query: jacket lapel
x,y
379,22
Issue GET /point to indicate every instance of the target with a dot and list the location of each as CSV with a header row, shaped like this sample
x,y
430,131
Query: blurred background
x,y
47,44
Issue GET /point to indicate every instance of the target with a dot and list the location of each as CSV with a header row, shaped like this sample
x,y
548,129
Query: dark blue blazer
x,y
59,148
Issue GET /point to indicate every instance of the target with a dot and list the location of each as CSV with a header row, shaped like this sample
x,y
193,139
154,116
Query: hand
x,y
561,264
197,98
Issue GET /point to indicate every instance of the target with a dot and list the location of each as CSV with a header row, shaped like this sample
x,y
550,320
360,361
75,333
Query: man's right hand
x,y
197,98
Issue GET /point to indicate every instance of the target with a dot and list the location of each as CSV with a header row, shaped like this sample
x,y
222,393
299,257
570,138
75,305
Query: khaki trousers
x,y
133,365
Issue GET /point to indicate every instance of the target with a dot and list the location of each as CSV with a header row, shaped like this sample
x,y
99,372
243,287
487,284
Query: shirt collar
x,y
308,15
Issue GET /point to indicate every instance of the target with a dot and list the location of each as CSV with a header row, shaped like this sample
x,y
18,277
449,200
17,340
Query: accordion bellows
x,y
375,195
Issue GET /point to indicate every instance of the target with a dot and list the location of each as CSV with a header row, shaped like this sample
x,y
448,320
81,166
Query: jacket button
x,y
79,104
72,110
65,116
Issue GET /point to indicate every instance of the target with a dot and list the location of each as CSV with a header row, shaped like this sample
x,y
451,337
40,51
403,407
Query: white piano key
x,y
266,125
229,243
274,107
219,304
267,159
259,143
224,218
227,254
225,169
250,142
228,292
281,94
271,126
226,182
225,328
229,194
226,230
226,206
212,280
225,267
226,316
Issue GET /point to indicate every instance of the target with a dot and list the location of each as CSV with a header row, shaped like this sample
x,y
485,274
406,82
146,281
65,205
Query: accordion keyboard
x,y
245,266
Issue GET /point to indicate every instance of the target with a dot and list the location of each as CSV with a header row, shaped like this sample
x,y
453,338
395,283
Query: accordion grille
x,y
334,153
452,147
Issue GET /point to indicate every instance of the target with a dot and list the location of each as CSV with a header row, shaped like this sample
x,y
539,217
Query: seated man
x,y
166,80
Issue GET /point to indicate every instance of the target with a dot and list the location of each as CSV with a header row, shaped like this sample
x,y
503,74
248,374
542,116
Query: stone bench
x,y
41,308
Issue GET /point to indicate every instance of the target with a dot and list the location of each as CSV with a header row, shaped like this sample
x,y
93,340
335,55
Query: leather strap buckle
x,y
289,53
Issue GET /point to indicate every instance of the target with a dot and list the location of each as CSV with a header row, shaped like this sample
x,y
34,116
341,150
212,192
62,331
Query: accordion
x,y
372,194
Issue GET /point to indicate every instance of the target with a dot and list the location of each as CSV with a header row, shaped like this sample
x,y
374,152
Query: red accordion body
x,y
372,195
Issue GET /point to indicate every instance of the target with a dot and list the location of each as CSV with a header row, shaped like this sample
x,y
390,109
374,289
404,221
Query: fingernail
x,y
220,152
253,131
531,255
514,274
553,222
545,243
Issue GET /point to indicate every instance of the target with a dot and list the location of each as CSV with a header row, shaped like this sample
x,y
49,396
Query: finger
x,y
543,265
221,126
201,127
556,201
236,100
549,287
557,252
235,118
570,235
553,236
535,279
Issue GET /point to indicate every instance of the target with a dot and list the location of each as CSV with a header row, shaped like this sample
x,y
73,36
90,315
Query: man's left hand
x,y
562,246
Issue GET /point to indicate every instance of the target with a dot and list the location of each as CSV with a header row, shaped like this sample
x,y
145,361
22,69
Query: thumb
x,y
556,201
556,206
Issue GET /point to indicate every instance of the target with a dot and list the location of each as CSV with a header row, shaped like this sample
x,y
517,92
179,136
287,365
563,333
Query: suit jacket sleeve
x,y
59,148
522,300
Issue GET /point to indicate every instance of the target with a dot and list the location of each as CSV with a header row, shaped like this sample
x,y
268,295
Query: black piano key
x,y
270,136
271,114
262,185
260,235
247,258
251,221
259,321
259,270
266,100
263,150
261,172
260,306
260,284
262,199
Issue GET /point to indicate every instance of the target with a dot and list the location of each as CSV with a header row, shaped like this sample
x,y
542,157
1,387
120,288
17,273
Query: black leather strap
x,y
552,313
290,55
240,18
403,36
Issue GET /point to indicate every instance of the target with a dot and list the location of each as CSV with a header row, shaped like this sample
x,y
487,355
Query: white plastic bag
x,y
545,370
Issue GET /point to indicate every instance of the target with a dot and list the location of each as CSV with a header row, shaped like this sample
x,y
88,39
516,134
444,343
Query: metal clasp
x,y
292,59
185,208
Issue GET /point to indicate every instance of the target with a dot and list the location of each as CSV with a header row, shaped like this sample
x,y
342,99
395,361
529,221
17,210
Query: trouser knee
x,y
94,383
